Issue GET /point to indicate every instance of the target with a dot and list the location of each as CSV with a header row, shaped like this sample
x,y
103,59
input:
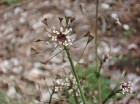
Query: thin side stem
x,y
50,100
75,74
78,62
40,93
96,52
113,93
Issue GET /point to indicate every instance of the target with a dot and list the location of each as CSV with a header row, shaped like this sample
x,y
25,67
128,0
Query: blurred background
x,y
20,26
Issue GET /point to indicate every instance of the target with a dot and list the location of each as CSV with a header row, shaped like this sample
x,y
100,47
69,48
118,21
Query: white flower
x,y
58,82
70,29
47,43
54,38
62,37
105,6
117,21
126,27
126,87
49,35
114,15
61,29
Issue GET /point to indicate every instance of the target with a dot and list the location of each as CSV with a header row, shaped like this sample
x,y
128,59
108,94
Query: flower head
x,y
62,36
66,85
126,87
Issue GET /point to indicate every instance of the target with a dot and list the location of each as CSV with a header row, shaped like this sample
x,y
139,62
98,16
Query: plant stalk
x,y
96,52
50,100
75,74
75,97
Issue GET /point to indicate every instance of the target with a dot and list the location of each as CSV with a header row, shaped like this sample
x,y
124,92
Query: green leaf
x,y
11,1
97,74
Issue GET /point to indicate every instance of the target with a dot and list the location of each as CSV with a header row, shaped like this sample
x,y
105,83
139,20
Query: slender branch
x,y
75,74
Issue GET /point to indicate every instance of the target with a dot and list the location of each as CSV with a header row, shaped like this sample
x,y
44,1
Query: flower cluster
x,y
62,37
68,84
126,87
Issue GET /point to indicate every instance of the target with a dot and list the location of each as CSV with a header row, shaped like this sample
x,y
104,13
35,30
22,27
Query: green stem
x,y
113,93
75,74
99,89
53,91
96,52
96,31
75,97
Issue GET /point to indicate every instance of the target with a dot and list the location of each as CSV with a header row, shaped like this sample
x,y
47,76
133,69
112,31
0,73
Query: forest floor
x,y
20,25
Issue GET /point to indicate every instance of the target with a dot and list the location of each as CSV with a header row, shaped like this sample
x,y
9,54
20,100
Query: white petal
x,y
47,43
61,29
57,32
54,31
49,35
70,29
66,32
